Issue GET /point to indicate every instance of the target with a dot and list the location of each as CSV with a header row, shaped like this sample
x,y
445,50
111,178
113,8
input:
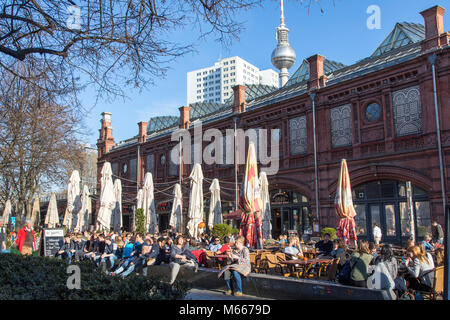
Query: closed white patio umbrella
x,y
7,212
117,211
73,201
107,200
83,221
215,207
177,209
52,217
265,212
35,212
140,199
151,221
195,213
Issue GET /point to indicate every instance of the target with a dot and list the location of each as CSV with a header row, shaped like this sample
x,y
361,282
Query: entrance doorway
x,y
290,211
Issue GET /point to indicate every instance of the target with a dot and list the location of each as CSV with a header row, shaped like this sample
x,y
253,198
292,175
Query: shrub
x,y
45,278
140,221
421,231
221,230
330,231
234,231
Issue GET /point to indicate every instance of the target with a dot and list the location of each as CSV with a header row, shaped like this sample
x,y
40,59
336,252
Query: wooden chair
x,y
332,270
323,268
273,264
438,284
261,263
211,262
281,256
253,259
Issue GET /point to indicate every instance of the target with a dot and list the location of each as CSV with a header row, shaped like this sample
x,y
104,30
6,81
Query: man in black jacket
x,y
99,249
325,246
109,254
77,246
64,251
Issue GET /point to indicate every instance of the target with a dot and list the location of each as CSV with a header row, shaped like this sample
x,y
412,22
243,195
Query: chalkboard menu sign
x,y
53,240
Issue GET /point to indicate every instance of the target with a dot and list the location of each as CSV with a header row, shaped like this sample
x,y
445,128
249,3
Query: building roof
x,y
156,124
402,44
302,73
403,34
201,109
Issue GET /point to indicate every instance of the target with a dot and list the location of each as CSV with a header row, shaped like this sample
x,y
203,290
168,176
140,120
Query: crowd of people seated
x,y
366,264
128,253
376,264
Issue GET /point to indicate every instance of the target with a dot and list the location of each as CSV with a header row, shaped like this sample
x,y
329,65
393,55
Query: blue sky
x,y
339,34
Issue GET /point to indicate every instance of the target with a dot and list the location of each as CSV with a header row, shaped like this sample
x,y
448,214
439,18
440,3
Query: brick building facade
x,y
379,114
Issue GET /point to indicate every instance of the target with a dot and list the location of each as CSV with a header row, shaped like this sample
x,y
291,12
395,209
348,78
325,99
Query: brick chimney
x,y
106,140
239,103
142,131
184,117
317,76
435,35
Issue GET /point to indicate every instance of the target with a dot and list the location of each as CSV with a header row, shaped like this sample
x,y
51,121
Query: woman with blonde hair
x,y
419,265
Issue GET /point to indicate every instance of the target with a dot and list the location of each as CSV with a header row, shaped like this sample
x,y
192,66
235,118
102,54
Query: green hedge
x,y
44,278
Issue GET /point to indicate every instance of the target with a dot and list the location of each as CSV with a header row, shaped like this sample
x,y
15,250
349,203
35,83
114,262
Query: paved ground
x,y
201,294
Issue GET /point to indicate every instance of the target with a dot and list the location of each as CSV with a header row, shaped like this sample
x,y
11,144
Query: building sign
x,y
280,198
164,206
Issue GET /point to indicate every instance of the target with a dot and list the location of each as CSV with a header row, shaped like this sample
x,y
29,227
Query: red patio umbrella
x,y
344,206
250,203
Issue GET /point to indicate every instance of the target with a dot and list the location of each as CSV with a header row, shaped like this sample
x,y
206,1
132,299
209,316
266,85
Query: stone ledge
x,y
273,287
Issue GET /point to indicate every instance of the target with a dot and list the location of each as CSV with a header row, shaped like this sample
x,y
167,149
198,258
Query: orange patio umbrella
x,y
250,202
344,206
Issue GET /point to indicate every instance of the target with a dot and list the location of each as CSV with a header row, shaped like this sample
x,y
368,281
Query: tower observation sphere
x,y
283,57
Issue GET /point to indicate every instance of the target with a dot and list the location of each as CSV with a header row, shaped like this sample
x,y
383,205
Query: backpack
x,y
344,275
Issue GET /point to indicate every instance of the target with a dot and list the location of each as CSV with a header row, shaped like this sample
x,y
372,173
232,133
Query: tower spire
x,y
283,57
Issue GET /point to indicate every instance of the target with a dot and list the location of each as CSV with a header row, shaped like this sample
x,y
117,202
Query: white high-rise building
x,y
215,83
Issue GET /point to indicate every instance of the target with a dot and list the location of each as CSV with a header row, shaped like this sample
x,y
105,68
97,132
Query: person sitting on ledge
x,y
64,251
180,255
240,266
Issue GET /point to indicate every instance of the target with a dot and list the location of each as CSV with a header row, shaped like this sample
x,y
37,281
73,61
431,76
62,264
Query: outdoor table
x,y
304,263
312,254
